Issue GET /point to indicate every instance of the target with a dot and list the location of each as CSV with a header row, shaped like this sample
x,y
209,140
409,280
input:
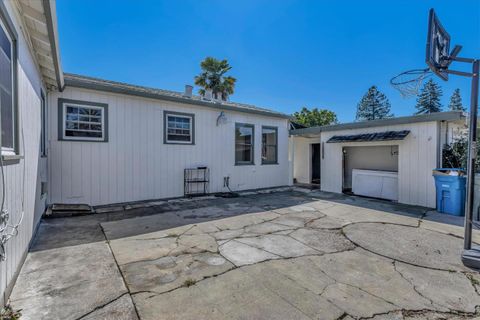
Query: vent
x,y
188,91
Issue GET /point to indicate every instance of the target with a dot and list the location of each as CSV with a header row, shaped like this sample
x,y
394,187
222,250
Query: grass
x,y
7,313
189,282
172,235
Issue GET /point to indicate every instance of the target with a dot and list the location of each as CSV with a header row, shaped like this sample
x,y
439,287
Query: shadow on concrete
x,y
72,231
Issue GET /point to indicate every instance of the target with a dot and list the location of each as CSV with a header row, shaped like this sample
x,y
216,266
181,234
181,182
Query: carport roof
x,y
375,136
438,116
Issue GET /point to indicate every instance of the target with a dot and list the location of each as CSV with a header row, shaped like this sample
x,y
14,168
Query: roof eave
x,y
76,82
438,116
51,19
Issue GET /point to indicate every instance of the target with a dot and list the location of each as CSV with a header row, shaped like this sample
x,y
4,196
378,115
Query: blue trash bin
x,y
450,192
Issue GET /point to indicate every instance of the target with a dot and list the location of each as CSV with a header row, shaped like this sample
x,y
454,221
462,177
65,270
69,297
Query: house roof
x,y
79,81
437,116
40,19
374,136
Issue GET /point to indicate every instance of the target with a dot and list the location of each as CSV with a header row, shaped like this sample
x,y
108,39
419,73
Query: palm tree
x,y
213,77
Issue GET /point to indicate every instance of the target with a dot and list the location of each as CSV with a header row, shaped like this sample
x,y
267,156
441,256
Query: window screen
x,y
84,122
269,145
244,142
6,91
179,128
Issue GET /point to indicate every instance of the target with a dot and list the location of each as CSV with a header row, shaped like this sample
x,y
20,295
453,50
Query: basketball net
x,y
408,83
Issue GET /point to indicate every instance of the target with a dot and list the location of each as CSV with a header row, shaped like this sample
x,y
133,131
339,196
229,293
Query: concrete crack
x,y
387,257
394,263
424,312
119,270
103,306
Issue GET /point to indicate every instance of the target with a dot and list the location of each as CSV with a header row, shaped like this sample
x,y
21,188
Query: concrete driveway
x,y
283,255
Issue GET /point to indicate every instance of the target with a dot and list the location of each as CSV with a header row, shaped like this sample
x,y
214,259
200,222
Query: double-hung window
x,y
269,145
244,142
83,120
179,128
7,91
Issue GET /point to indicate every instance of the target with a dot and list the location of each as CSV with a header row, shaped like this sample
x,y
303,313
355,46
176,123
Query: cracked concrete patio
x,y
281,255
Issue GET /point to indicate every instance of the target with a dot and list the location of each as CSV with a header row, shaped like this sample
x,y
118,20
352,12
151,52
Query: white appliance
x,y
375,183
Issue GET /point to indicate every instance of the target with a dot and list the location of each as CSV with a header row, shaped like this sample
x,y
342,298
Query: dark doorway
x,y
316,163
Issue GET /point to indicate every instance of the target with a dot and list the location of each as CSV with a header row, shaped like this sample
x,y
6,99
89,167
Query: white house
x,y
29,69
75,139
388,158
112,142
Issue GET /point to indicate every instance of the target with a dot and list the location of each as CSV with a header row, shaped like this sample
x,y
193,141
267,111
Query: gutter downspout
x,y
51,17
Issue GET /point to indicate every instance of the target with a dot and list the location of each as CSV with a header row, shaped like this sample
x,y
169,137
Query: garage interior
x,y
371,171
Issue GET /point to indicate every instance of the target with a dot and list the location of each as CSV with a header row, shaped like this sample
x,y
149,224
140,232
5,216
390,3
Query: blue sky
x,y
285,54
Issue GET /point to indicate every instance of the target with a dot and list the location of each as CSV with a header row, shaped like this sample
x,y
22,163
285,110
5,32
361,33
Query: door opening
x,y
315,163
371,171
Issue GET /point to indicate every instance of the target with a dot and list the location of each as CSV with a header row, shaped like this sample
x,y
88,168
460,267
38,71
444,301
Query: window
x,y
43,133
244,142
7,91
83,120
269,145
179,128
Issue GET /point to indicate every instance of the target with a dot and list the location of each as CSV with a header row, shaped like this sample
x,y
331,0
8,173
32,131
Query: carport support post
x,y
471,257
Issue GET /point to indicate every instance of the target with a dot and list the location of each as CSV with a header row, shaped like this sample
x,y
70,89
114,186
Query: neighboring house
x,y
29,69
113,142
398,153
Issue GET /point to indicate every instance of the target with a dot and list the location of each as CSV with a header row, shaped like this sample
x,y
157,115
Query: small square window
x,y
82,120
179,128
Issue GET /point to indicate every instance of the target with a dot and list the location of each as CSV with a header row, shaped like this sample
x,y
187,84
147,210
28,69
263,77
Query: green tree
x,y
374,105
456,101
315,117
213,77
428,100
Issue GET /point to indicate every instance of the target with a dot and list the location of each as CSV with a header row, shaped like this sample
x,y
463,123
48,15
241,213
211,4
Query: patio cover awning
x,y
376,136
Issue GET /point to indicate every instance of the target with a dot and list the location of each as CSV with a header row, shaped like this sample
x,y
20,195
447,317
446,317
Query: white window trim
x,y
64,122
4,150
190,129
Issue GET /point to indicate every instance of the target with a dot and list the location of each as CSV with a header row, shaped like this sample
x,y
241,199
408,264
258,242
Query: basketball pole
x,y
471,256
472,154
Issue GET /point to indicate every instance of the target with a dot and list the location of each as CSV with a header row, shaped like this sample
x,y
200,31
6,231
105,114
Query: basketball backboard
x,y
438,46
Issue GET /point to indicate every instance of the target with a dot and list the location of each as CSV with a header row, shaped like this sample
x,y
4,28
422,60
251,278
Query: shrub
x,y
455,154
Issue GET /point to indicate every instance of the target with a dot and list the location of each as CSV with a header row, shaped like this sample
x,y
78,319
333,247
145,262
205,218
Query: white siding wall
x,y
417,158
135,164
302,158
23,177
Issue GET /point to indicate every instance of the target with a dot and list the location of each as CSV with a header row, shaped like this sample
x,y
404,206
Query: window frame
x,y
7,25
252,144
264,162
62,105
43,132
190,116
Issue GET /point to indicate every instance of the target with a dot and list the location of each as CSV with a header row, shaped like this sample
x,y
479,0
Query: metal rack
x,y
196,181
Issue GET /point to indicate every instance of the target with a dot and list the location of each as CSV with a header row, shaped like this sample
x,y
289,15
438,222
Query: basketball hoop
x,y
408,83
